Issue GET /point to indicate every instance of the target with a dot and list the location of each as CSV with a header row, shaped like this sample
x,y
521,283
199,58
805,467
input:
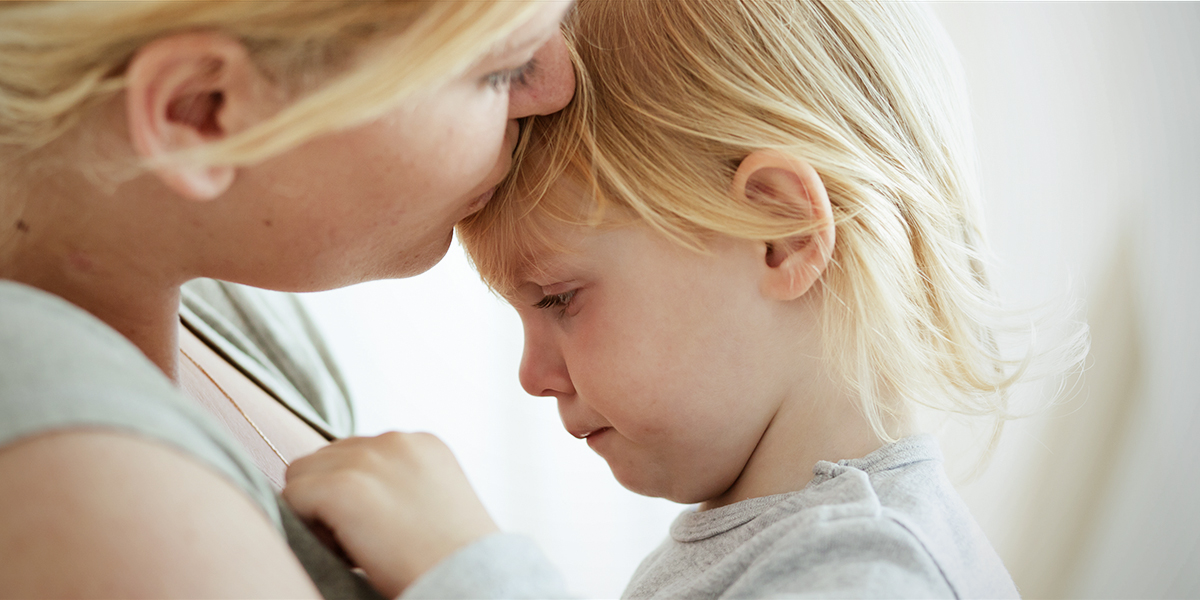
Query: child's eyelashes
x,y
558,301
518,76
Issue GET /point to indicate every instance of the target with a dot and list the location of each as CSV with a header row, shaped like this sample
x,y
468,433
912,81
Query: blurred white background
x,y
1086,121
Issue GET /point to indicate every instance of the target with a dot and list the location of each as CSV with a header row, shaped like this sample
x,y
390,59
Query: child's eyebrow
x,y
541,267
531,270
518,270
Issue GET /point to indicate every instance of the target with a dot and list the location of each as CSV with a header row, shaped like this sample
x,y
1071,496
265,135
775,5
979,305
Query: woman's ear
x,y
791,188
187,90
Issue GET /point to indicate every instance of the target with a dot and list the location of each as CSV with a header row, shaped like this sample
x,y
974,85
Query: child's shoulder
x,y
892,520
904,476
886,525
831,538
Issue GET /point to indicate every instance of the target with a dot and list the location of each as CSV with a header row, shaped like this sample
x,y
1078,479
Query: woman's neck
x,y
107,263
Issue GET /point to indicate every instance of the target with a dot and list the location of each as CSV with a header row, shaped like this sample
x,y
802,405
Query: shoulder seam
x,y
899,522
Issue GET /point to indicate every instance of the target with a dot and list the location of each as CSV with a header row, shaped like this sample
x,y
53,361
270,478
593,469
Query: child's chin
x,y
635,484
653,489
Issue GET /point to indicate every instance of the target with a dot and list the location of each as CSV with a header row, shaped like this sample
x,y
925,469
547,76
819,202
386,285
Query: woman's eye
x,y
519,76
559,301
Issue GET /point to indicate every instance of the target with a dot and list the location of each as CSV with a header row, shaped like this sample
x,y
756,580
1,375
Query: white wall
x,y
1087,130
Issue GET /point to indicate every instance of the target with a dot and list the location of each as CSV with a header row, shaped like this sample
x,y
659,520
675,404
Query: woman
x,y
288,145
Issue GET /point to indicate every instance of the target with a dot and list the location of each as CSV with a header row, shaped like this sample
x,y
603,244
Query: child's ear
x,y
791,188
186,90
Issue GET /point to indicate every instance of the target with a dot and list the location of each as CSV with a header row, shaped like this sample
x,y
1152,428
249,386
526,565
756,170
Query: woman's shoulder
x,y
62,369
48,345
95,513
35,321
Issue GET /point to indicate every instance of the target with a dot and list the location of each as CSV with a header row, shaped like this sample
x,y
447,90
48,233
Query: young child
x,y
743,256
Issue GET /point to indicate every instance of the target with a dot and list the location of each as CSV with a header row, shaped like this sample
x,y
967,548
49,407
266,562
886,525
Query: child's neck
x,y
802,433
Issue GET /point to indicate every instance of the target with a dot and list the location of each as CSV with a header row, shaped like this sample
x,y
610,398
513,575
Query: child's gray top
x,y
888,525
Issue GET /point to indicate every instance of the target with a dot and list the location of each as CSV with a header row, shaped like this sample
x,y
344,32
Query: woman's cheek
x,y
490,124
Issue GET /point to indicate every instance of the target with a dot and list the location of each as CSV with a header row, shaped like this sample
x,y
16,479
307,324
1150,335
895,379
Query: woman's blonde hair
x,y
60,59
672,96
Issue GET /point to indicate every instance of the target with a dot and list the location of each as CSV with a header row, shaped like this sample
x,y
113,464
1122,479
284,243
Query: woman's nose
x,y
549,86
543,371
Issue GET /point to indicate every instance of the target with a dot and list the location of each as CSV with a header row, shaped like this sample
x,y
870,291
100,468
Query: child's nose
x,y
543,371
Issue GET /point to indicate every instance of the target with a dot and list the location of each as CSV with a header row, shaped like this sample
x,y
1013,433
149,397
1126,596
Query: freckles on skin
x,y
427,216
551,84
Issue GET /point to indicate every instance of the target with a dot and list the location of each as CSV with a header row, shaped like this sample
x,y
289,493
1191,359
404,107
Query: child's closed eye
x,y
559,301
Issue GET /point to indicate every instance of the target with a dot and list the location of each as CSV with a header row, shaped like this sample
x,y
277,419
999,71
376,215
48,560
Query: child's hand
x,y
398,503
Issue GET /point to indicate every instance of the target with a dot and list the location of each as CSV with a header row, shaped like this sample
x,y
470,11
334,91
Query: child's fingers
x,y
328,538
398,503
331,482
385,455
317,490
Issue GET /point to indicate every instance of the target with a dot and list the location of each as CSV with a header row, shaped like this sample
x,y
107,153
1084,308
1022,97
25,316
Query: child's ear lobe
x,y
184,91
789,187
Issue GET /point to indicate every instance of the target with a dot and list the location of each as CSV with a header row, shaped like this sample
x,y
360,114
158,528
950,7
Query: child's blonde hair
x,y
673,95
59,59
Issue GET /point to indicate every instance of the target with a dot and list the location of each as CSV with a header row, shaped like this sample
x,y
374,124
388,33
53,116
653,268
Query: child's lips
x,y
583,434
594,437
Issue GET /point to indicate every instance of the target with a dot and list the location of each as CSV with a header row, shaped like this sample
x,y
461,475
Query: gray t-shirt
x,y
62,368
888,525
270,338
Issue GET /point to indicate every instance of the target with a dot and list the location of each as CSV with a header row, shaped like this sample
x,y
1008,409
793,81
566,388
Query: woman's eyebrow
x,y
530,44
534,38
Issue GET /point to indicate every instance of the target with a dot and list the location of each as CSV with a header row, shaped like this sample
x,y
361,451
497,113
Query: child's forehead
x,y
557,221
540,229
536,244
529,271
550,251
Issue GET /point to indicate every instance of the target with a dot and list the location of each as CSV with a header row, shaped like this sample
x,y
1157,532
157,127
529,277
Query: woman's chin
x,y
480,201
418,261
